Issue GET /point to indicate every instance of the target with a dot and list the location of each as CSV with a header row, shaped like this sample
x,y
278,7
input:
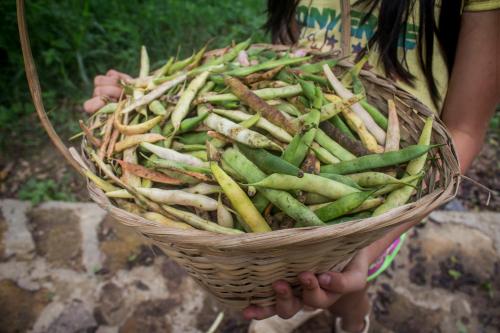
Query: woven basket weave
x,y
239,269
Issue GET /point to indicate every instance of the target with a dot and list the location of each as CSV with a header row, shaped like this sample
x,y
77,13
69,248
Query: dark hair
x,y
392,24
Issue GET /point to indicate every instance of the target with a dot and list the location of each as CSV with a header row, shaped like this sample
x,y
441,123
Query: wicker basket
x,y
239,270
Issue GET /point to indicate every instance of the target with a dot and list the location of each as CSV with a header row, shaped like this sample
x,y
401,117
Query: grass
x,y
38,191
75,40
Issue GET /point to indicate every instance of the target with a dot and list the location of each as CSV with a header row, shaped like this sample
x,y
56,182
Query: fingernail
x,y
281,291
325,279
307,283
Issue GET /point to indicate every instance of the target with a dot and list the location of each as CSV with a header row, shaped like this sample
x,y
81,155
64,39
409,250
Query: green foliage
x,y
38,191
74,40
495,120
454,274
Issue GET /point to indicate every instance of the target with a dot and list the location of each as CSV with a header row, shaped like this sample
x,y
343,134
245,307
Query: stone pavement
x,y
68,267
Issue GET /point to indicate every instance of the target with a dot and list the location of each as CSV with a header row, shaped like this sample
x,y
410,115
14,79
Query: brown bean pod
x,y
353,146
255,77
259,105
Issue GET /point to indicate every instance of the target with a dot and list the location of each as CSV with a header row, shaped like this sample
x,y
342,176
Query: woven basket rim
x,y
287,237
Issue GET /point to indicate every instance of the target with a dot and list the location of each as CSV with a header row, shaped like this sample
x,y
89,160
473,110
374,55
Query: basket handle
x,y
345,37
34,85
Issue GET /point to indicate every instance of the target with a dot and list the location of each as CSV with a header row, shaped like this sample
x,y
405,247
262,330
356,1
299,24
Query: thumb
x,y
343,283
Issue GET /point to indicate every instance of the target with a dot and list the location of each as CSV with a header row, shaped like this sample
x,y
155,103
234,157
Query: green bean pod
x,y
297,149
157,108
268,162
357,85
373,179
308,90
343,219
285,76
341,179
317,102
375,161
323,155
250,121
207,87
288,108
265,93
201,154
281,199
400,196
260,202
377,116
165,68
342,206
174,165
270,64
342,126
309,183
182,147
392,187
333,147
183,105
314,78
193,138
179,65
317,67
186,125
231,54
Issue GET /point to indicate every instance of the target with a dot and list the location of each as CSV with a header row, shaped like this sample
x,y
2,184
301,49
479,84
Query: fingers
x,y
346,282
103,80
112,92
257,312
287,305
93,104
105,86
118,75
321,292
313,295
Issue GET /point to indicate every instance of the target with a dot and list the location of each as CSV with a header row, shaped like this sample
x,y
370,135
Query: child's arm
x,y
474,88
473,93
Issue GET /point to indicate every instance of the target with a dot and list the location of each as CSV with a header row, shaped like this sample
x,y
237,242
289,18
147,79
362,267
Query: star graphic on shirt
x,y
331,41
357,48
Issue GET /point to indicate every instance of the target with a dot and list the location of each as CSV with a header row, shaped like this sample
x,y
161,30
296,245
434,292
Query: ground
x,y
69,267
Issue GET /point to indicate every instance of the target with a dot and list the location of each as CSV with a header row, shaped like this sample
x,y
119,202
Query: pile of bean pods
x,y
251,139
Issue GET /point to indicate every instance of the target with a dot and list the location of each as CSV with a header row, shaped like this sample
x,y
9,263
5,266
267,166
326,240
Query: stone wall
x,y
68,267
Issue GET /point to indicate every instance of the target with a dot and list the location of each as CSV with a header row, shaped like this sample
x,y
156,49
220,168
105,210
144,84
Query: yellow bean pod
x,y
133,140
163,220
134,129
240,201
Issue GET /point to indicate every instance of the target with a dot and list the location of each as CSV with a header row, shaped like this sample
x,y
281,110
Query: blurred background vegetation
x,y
74,40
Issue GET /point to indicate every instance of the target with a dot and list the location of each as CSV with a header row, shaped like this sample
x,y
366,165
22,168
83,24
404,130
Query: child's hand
x,y
106,87
318,292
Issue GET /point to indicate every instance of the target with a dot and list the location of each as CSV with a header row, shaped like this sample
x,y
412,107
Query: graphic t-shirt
x,y
320,22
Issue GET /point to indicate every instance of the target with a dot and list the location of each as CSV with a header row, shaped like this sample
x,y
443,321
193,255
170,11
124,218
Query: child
x,y
451,66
